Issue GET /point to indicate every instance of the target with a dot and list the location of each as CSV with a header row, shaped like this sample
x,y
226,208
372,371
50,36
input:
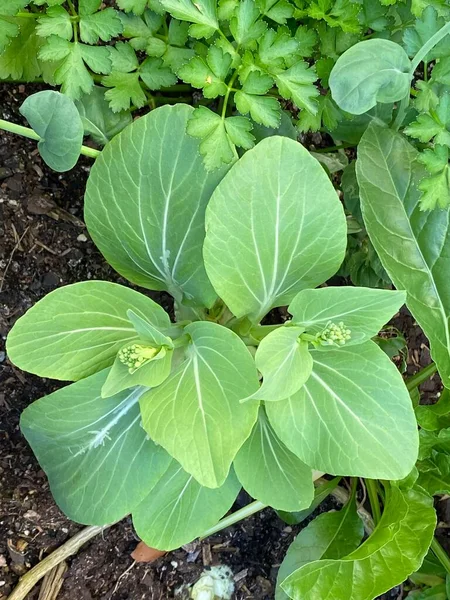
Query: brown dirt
x,y
43,245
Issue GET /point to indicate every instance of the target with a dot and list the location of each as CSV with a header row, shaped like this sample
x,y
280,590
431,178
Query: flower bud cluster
x,y
136,355
334,334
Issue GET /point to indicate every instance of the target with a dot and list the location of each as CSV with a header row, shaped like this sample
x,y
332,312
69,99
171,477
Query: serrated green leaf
x,y
435,124
55,118
56,21
307,40
8,30
435,190
216,147
371,71
155,75
156,150
297,84
272,474
78,329
246,25
72,74
208,74
262,109
408,523
99,121
336,13
103,25
19,60
135,6
363,310
202,12
99,460
11,7
239,131
123,58
88,7
252,266
277,10
178,509
276,45
125,91
424,28
331,535
339,422
285,363
441,71
403,237
434,473
198,406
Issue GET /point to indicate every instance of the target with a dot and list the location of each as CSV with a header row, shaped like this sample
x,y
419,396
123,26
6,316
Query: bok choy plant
x,y
167,419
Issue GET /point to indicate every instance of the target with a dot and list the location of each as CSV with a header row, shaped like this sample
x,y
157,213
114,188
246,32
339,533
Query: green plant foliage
x,y
274,261
410,245
370,72
408,522
331,535
55,119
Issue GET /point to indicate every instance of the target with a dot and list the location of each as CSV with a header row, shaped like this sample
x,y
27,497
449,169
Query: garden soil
x,y
44,245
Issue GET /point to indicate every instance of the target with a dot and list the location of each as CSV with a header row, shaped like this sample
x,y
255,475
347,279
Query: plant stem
x,y
440,554
421,376
29,133
29,580
235,517
372,492
434,39
27,15
334,148
227,95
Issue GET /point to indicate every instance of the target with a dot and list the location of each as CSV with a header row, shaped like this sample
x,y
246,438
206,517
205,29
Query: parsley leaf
x,y
19,60
277,10
155,75
424,28
208,74
135,6
56,21
434,124
246,24
436,187
296,84
219,136
72,74
102,25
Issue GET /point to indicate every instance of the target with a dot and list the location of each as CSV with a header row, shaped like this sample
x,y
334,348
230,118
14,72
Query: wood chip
x,y
52,582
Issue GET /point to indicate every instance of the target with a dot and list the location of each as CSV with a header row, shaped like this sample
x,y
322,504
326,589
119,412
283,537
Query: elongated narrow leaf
x,y
78,329
363,310
178,509
270,472
394,551
145,203
284,362
369,72
99,460
330,535
196,414
274,226
343,421
411,244
54,117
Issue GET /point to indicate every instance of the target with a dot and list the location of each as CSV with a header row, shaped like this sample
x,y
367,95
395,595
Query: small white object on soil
x,y
214,584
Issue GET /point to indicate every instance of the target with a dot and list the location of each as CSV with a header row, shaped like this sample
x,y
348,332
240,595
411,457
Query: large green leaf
x,y
78,329
145,203
270,472
274,226
178,509
363,310
369,72
394,551
196,414
54,117
285,363
352,417
412,245
330,535
99,460
434,473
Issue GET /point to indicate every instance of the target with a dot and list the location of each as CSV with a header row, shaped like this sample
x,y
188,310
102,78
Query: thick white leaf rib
x,y
274,225
99,460
145,204
410,243
198,406
342,421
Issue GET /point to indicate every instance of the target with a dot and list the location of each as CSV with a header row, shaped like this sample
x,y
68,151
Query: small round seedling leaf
x,y
369,72
56,120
